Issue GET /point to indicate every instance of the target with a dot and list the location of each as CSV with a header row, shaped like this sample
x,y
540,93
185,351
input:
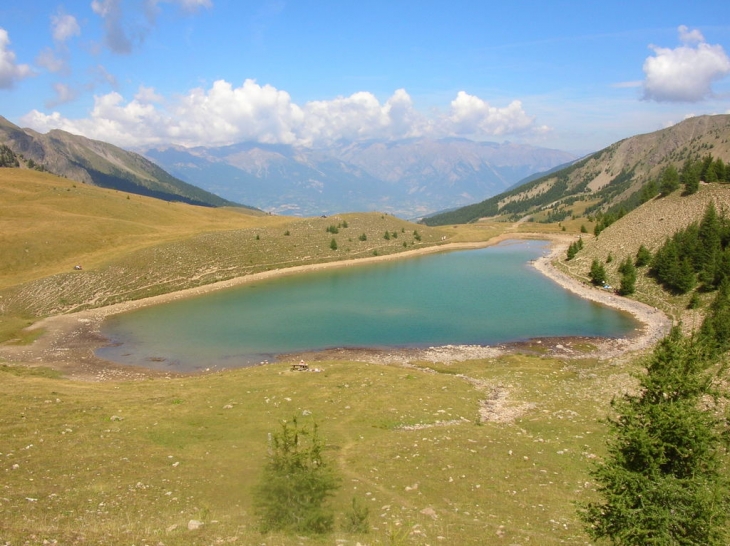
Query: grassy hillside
x,y
49,224
130,246
607,181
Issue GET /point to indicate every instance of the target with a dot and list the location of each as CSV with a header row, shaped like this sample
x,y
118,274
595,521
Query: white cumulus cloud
x,y
471,115
10,70
361,116
686,73
147,95
223,114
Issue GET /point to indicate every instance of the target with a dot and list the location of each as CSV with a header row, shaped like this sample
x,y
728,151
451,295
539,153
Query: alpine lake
x,y
486,296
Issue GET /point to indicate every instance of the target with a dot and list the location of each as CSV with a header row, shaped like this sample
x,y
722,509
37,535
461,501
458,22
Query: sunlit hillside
x,y
50,224
614,180
129,246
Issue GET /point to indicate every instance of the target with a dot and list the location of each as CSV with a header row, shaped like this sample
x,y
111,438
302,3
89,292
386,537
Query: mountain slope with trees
x,y
616,179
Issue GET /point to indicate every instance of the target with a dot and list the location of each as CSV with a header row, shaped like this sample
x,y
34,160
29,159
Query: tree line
x,y
698,255
706,169
8,157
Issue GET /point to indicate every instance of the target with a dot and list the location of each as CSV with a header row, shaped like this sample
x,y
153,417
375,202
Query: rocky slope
x,y
101,164
607,180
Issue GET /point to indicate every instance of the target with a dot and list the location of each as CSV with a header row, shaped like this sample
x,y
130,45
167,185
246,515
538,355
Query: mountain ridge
x,y
607,181
409,178
101,164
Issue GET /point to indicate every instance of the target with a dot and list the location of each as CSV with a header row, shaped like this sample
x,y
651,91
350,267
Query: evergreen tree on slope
x,y
662,481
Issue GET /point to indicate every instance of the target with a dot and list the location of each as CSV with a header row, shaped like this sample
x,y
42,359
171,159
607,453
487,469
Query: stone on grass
x,y
194,525
430,512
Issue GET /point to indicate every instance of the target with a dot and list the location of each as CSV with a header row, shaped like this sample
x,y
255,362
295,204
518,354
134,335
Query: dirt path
x,y
69,341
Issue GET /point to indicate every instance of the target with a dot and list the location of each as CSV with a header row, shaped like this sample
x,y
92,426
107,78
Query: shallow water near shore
x,y
470,297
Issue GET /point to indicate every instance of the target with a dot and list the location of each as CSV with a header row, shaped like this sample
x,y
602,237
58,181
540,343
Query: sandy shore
x,y
69,341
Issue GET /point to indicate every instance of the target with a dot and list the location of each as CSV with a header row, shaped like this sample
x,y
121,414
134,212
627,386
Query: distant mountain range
x,y
408,178
612,181
101,164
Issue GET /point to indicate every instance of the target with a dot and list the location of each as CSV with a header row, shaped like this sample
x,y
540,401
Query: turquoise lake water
x,y
485,296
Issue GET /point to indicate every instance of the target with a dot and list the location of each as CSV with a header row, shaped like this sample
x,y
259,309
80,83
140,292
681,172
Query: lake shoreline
x,y
69,342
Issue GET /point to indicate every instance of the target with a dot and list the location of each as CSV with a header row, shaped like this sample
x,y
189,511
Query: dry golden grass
x,y
50,224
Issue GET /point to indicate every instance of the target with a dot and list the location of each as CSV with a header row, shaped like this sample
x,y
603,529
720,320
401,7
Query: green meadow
x,y
479,452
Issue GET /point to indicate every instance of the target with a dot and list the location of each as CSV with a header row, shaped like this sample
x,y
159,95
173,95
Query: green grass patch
x,y
141,459
28,371
12,330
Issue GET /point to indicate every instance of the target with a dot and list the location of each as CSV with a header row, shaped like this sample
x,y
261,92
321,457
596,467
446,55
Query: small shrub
x,y
357,518
296,483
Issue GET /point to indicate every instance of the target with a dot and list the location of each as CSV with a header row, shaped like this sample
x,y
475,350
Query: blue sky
x,y
575,76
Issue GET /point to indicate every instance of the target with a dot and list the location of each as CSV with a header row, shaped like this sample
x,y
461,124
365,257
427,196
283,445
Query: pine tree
x,y
662,481
649,191
628,277
574,247
296,483
721,170
669,180
709,247
665,264
643,256
708,169
715,330
686,278
597,273
690,177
